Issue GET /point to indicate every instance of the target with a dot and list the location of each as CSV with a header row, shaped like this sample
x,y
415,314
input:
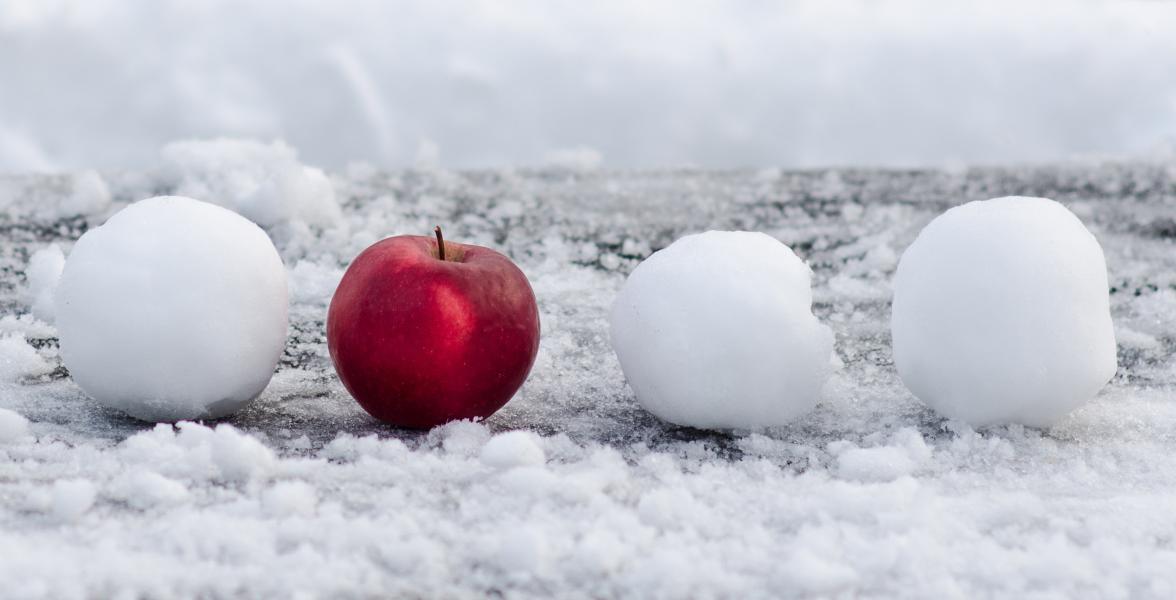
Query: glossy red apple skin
x,y
420,342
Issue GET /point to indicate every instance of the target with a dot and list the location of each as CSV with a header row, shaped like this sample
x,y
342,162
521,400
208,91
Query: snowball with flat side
x,y
1001,313
717,331
173,309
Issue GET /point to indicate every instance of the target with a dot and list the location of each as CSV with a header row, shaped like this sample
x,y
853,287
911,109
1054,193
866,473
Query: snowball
x,y
72,498
1001,313
717,331
174,309
263,182
42,274
513,449
13,426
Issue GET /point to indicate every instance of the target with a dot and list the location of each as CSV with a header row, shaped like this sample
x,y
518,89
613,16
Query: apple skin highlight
x,y
419,341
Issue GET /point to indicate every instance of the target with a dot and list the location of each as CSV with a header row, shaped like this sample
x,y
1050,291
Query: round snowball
x,y
173,309
717,331
1001,313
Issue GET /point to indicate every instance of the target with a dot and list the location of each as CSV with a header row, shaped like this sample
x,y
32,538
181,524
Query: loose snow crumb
x,y
145,489
513,449
238,456
90,195
72,498
289,498
883,463
42,275
263,182
19,360
463,438
13,426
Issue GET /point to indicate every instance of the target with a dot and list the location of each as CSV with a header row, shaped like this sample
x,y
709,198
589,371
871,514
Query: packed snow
x,y
1002,313
572,488
173,309
717,331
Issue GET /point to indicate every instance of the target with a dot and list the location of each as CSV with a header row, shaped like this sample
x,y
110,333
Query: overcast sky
x,y
98,83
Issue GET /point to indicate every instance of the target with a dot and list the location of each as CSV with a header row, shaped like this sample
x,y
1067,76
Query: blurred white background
x,y
103,83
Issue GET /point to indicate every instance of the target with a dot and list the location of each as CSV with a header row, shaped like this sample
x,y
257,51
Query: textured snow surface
x,y
717,331
1001,313
870,494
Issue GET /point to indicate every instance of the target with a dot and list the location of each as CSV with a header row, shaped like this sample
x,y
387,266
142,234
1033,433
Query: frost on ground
x,y
573,490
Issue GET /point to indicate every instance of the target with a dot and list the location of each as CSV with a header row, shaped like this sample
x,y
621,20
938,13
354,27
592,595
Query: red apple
x,y
424,331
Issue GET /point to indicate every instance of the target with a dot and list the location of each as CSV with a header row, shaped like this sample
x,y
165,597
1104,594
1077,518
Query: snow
x,y
265,183
301,493
173,309
12,426
743,83
72,498
42,274
1002,315
717,331
513,449
19,360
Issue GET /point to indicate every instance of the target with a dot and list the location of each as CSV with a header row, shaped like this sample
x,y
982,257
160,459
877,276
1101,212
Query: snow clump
x,y
42,274
265,183
174,309
717,331
1001,313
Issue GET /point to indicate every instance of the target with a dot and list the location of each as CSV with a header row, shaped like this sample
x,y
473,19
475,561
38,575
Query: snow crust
x,y
871,494
173,309
1002,313
717,331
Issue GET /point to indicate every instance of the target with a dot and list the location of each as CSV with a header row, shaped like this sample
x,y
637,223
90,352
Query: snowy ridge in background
x,y
872,494
103,83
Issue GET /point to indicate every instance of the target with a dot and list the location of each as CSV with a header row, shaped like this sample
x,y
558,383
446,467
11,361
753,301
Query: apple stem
x,y
440,243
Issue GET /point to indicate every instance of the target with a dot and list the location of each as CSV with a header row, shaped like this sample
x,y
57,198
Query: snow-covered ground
x,y
572,490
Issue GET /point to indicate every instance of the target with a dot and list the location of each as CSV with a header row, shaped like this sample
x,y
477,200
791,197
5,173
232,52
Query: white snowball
x,y
1001,313
717,331
174,309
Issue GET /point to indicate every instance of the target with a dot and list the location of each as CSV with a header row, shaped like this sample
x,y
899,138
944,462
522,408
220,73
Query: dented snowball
x,y
1001,313
717,331
174,309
